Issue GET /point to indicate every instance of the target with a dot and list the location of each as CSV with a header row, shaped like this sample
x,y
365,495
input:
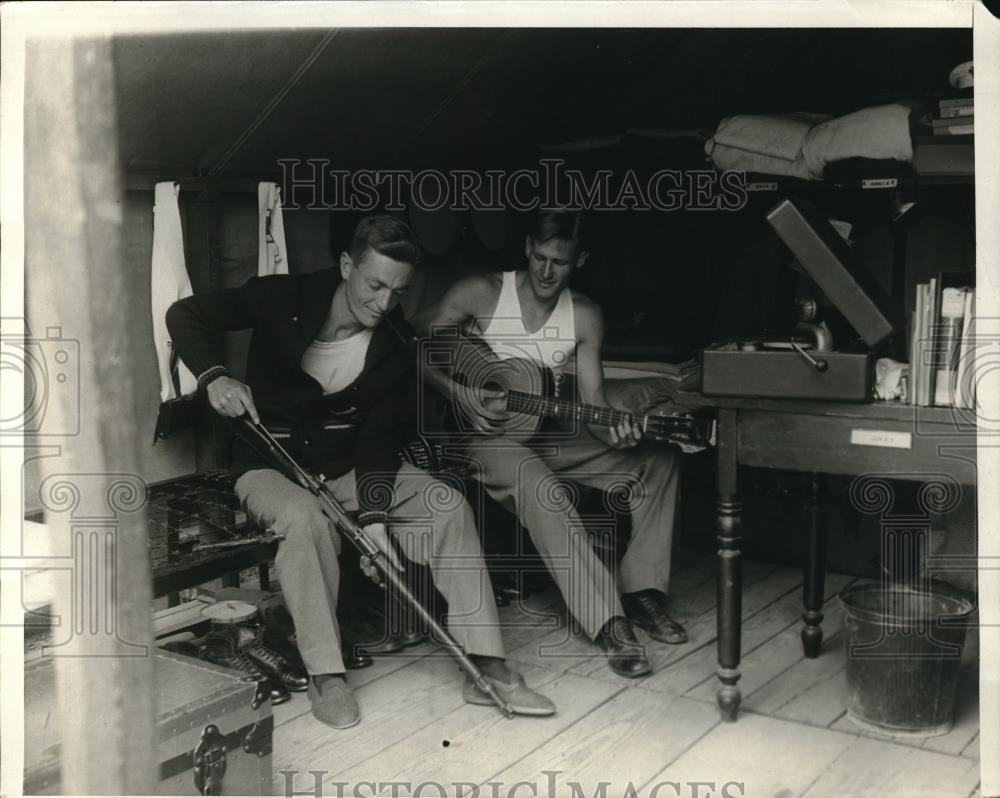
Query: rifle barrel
x,y
350,528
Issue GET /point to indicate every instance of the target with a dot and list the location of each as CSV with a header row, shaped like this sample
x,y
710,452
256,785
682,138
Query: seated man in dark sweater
x,y
327,370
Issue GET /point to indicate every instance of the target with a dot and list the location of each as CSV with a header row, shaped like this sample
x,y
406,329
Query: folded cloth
x,y
640,395
801,145
881,132
890,379
776,135
733,158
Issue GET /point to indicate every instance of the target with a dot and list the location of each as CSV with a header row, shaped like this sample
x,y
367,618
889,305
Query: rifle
x,y
316,485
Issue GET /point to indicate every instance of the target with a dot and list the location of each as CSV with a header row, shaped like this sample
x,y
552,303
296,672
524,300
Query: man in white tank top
x,y
534,314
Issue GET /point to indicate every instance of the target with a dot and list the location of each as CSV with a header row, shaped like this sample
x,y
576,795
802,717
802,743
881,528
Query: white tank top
x,y
553,344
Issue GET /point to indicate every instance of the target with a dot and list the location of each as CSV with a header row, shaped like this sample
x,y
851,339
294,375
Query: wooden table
x,y
874,442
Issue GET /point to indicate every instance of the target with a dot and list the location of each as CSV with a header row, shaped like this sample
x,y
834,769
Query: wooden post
x,y
76,281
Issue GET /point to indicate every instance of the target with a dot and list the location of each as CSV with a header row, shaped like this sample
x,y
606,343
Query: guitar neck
x,y
521,402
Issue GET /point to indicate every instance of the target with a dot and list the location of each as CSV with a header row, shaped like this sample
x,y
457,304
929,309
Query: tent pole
x,y
76,281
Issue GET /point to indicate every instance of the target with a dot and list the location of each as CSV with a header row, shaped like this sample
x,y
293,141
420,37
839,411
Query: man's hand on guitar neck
x,y
627,434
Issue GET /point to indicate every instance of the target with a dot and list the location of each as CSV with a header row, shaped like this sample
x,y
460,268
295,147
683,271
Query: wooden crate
x,y
191,695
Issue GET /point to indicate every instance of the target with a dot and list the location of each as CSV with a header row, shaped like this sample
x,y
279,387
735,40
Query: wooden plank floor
x,y
632,735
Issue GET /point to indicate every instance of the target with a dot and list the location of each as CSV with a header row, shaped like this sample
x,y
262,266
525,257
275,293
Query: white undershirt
x,y
336,364
553,344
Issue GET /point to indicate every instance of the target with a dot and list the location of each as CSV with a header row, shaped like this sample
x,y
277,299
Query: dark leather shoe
x,y
355,658
277,667
387,645
647,609
625,656
391,644
236,660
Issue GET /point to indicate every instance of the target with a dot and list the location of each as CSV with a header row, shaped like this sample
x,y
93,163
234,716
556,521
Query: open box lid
x,y
827,259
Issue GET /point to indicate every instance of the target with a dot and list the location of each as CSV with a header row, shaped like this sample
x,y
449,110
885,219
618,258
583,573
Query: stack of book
x,y
955,117
941,343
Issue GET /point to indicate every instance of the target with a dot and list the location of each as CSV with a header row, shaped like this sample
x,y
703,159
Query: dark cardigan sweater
x,y
357,427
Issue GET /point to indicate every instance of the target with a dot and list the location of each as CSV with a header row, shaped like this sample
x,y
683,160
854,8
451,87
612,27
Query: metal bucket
x,y
904,651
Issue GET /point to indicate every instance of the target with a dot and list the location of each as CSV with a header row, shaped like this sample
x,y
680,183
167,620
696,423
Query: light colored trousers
x,y
430,520
530,481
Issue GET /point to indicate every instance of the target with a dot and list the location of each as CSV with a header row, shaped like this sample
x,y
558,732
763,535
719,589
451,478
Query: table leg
x,y
730,586
814,572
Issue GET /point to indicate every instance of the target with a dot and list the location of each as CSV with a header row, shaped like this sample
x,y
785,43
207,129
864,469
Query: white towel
x,y
169,282
272,255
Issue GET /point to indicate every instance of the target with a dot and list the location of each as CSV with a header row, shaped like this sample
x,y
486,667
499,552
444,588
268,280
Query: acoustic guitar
x,y
530,394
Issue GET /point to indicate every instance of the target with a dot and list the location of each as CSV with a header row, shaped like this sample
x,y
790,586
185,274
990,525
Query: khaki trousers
x,y
529,481
430,520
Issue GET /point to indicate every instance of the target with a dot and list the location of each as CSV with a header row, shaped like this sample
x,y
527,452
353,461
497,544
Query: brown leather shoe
x,y
647,609
625,656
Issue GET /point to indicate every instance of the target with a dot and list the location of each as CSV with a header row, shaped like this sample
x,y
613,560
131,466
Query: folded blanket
x,y
882,132
777,136
733,158
801,145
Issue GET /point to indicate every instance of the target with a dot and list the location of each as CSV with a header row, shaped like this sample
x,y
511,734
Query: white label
x,y
887,439
880,182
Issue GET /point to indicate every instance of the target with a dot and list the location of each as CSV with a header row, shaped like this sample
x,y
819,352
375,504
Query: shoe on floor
x,y
277,667
625,656
235,658
647,609
333,703
389,644
521,698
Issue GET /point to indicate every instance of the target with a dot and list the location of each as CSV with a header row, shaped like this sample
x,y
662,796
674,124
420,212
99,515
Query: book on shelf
x,y
956,106
941,344
917,347
931,305
965,384
961,126
952,120
947,340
